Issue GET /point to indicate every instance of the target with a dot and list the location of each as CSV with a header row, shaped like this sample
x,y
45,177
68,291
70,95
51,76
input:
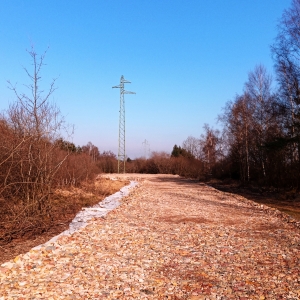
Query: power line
x,y
121,149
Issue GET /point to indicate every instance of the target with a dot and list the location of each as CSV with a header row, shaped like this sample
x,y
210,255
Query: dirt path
x,y
170,239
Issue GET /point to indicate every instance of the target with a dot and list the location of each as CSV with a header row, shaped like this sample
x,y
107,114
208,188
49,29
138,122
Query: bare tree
x,y
192,145
31,161
108,162
286,51
209,148
237,136
258,88
92,151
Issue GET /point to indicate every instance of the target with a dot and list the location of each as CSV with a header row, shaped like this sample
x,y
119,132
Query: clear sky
x,y
185,59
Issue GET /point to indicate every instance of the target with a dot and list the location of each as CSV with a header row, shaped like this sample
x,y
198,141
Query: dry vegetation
x,y
65,205
44,179
35,160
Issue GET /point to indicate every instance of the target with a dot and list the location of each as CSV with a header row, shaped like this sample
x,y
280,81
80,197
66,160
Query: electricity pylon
x,y
121,150
146,147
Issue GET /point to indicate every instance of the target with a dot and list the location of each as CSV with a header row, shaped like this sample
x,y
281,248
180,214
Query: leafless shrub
x,y
29,155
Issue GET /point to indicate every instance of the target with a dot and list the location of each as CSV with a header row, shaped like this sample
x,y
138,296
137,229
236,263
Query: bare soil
x,y
66,204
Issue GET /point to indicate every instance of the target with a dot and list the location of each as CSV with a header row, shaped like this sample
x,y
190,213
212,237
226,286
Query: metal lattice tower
x,y
146,147
121,150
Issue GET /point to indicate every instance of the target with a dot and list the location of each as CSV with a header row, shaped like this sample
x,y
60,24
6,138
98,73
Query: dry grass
x,y
90,193
66,203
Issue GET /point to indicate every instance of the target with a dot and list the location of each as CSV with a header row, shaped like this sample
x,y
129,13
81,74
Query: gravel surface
x,y
169,239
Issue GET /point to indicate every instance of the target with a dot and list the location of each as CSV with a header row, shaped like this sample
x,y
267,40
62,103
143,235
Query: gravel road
x,y
171,238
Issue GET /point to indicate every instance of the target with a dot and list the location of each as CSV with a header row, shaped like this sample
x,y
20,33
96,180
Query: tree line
x,y
260,136
259,139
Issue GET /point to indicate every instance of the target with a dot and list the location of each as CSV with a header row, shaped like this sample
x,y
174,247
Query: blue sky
x,y
185,60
